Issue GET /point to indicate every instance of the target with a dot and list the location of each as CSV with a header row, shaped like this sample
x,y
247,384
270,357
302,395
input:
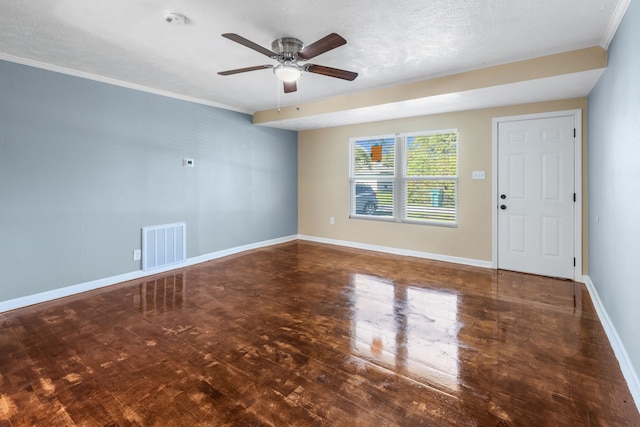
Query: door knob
x,y
503,207
503,196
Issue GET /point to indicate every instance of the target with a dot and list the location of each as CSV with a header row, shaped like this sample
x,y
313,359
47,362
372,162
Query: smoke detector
x,y
173,17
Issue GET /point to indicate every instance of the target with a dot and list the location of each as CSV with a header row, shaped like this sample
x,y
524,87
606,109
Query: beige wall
x,y
323,183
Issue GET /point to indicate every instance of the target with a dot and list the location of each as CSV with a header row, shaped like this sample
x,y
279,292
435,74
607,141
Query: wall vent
x,y
163,245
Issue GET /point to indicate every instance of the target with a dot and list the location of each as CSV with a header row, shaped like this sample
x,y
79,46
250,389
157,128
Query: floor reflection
x,y
163,294
410,329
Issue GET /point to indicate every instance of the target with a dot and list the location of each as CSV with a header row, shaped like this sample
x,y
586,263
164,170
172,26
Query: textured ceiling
x,y
388,42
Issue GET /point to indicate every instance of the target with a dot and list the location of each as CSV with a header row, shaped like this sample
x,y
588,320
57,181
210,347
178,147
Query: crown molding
x,y
114,82
616,18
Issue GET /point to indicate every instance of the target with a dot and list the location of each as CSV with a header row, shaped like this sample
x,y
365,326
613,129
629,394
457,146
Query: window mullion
x,y
398,190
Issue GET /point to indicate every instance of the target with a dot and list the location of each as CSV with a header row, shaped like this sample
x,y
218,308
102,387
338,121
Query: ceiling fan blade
x,y
244,70
248,43
290,87
331,72
323,45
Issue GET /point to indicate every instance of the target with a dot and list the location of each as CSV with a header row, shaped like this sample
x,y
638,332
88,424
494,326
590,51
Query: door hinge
x,y
574,197
574,262
574,132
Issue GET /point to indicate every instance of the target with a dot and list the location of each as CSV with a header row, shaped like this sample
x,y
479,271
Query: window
x,y
408,177
430,178
373,172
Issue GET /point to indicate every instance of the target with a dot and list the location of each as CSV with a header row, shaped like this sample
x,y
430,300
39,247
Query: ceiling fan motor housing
x,y
287,47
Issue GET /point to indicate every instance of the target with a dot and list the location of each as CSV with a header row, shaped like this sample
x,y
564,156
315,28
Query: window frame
x,y
403,178
400,178
353,178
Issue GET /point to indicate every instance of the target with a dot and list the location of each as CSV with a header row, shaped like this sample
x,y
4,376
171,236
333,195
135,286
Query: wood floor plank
x,y
309,334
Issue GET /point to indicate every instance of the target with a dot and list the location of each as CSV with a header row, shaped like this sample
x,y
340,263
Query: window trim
x,y
400,178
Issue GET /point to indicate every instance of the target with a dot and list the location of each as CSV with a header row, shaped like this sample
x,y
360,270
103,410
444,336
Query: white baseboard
x,y
25,301
238,249
626,365
397,251
28,300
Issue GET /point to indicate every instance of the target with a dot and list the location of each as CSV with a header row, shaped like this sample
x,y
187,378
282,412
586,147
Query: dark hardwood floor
x,y
307,334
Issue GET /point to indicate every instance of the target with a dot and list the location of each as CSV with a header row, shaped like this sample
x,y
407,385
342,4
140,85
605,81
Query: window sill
x,y
406,221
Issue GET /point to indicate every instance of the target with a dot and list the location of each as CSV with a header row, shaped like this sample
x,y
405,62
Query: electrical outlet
x,y
188,163
332,220
137,254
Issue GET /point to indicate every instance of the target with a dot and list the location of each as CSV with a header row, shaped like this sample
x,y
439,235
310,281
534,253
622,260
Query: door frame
x,y
577,161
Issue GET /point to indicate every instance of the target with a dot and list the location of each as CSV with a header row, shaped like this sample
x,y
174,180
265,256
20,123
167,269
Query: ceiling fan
x,y
290,52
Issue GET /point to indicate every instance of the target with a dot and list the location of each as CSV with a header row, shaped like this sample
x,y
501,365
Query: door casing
x,y
577,115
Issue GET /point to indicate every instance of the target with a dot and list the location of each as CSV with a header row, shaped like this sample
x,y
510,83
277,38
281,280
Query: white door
x,y
536,194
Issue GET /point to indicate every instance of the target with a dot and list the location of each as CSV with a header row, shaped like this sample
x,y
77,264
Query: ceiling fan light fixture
x,y
287,72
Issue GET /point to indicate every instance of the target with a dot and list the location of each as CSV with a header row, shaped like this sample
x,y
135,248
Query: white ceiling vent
x,y
173,17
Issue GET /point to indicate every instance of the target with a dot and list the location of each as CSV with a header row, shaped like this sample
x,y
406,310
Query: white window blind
x,y
430,177
373,172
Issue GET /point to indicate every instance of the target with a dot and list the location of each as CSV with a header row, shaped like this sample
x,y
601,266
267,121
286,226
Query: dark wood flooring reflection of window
x,y
309,334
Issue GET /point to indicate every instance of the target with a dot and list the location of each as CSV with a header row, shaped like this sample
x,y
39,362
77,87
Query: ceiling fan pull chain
x,y
278,93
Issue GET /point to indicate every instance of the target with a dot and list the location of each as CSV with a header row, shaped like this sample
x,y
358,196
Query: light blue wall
x,y
614,183
84,165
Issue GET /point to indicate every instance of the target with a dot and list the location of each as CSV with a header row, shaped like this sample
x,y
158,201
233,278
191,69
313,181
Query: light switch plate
x,y
477,175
